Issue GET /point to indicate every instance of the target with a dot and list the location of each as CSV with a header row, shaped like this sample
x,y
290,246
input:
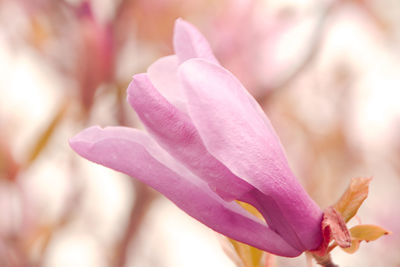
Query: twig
x,y
144,197
309,261
325,261
308,58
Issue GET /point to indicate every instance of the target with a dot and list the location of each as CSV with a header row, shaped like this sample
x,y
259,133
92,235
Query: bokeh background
x,y
327,73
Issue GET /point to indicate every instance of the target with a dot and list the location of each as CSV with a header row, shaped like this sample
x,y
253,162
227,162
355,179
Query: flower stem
x,y
325,261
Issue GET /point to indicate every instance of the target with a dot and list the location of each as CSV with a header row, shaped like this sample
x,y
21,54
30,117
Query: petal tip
x,y
83,140
85,135
140,82
136,79
180,23
189,42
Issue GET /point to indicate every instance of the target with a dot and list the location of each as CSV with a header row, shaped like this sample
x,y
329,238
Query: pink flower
x,y
207,144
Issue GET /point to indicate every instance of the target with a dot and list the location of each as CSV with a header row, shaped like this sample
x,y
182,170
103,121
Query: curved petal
x,y
134,153
163,74
190,43
174,131
234,132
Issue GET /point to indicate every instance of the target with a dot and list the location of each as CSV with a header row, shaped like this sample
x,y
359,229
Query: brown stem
x,y
144,197
44,138
325,261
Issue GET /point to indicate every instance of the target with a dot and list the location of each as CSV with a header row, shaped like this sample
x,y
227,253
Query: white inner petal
x,y
163,75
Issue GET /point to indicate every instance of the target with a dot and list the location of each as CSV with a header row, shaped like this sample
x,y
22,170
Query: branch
x,y
311,53
144,197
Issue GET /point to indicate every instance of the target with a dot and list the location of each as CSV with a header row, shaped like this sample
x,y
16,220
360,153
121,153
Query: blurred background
x,y
327,73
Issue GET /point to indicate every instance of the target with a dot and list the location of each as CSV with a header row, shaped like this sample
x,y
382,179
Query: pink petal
x,y
233,131
190,43
174,131
132,152
163,74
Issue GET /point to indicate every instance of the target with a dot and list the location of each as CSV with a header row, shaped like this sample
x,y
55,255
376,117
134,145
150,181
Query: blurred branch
x,y
309,56
122,7
9,167
120,92
46,135
143,200
325,261
43,235
376,18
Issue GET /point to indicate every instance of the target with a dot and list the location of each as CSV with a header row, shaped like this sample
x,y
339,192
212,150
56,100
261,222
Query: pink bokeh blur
x,y
327,73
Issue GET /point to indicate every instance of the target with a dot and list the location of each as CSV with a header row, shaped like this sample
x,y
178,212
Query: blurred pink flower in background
x,y
204,128
96,56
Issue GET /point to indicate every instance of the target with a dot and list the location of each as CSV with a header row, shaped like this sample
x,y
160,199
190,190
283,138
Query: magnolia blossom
x,y
207,145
